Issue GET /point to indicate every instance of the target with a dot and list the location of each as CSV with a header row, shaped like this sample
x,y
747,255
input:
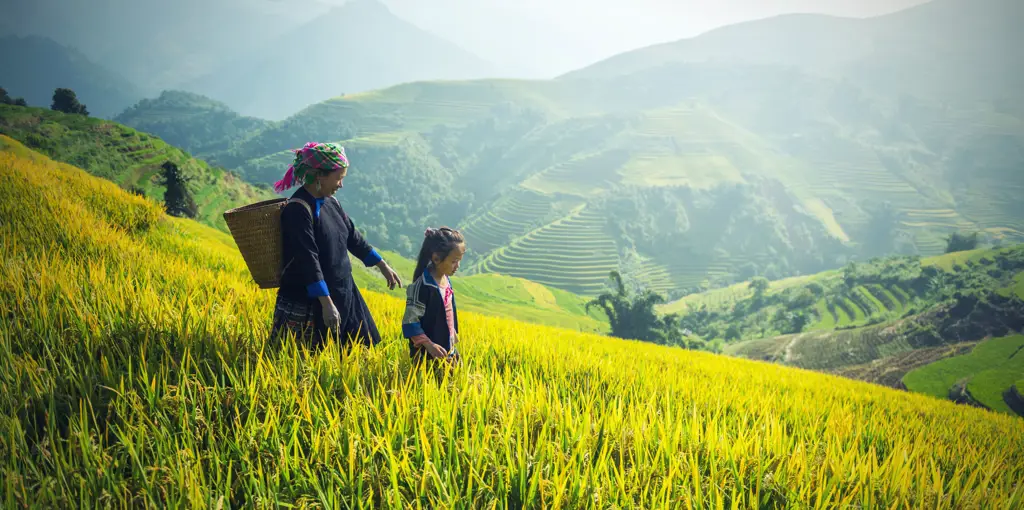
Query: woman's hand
x,y
389,274
332,319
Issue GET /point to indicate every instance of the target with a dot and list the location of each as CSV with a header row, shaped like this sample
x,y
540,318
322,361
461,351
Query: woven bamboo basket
x,y
257,232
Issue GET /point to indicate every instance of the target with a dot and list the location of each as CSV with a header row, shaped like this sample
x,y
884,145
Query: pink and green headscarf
x,y
312,158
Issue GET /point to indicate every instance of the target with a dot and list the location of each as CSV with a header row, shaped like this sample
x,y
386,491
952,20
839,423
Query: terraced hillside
x,y
514,214
572,253
126,157
921,324
585,175
766,170
690,146
726,297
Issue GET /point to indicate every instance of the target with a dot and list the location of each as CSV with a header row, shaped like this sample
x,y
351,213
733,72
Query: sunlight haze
x,y
544,38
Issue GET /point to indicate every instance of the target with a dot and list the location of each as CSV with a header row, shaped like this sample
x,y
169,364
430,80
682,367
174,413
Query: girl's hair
x,y
439,241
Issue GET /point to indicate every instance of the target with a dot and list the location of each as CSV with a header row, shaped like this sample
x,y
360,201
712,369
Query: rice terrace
x,y
762,258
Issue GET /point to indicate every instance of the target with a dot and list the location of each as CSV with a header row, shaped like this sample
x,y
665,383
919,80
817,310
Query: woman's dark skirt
x,y
304,317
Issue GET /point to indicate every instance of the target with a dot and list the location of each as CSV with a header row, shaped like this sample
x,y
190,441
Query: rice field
x,y
655,276
573,253
584,175
723,298
138,374
515,214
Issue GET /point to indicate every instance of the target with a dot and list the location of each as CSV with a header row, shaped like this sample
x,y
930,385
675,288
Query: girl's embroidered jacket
x,y
425,315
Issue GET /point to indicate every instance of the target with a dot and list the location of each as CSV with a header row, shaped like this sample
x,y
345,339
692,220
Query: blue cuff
x,y
412,329
372,259
317,289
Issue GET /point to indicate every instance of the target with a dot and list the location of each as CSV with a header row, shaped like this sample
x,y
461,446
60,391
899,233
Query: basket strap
x,y
304,204
308,209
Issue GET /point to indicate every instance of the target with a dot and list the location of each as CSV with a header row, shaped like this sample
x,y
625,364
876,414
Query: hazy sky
x,y
548,37
524,38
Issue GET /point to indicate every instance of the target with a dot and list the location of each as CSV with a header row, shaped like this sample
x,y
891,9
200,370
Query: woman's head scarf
x,y
312,158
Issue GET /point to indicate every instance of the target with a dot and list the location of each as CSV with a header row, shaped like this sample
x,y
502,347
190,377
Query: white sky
x,y
525,38
549,37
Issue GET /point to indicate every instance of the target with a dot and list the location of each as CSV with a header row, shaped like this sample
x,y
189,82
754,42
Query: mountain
x,y
357,47
190,121
157,44
127,157
684,176
756,170
565,35
134,344
35,66
947,50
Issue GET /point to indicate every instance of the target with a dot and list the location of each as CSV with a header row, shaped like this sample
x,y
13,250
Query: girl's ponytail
x,y
440,241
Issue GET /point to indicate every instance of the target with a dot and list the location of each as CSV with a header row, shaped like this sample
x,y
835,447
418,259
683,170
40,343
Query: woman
x,y
317,292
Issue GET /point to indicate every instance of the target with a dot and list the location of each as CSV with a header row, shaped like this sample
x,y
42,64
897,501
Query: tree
x,y
816,289
5,98
178,199
961,242
631,315
760,286
65,100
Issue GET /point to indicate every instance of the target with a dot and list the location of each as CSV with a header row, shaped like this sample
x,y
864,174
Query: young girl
x,y
431,320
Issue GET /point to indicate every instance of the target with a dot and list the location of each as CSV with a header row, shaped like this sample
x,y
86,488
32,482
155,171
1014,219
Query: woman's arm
x,y
358,245
297,224
361,248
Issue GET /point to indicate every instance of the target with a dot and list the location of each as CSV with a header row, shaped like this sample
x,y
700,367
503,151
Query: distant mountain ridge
x,y
356,47
943,50
156,44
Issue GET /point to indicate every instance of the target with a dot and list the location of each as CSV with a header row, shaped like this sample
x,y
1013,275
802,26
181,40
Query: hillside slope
x,y
138,369
895,322
363,46
190,121
499,295
126,157
985,376
753,168
33,67
894,53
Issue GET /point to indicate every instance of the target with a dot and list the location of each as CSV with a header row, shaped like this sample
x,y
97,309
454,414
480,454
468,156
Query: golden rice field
x,y
136,373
